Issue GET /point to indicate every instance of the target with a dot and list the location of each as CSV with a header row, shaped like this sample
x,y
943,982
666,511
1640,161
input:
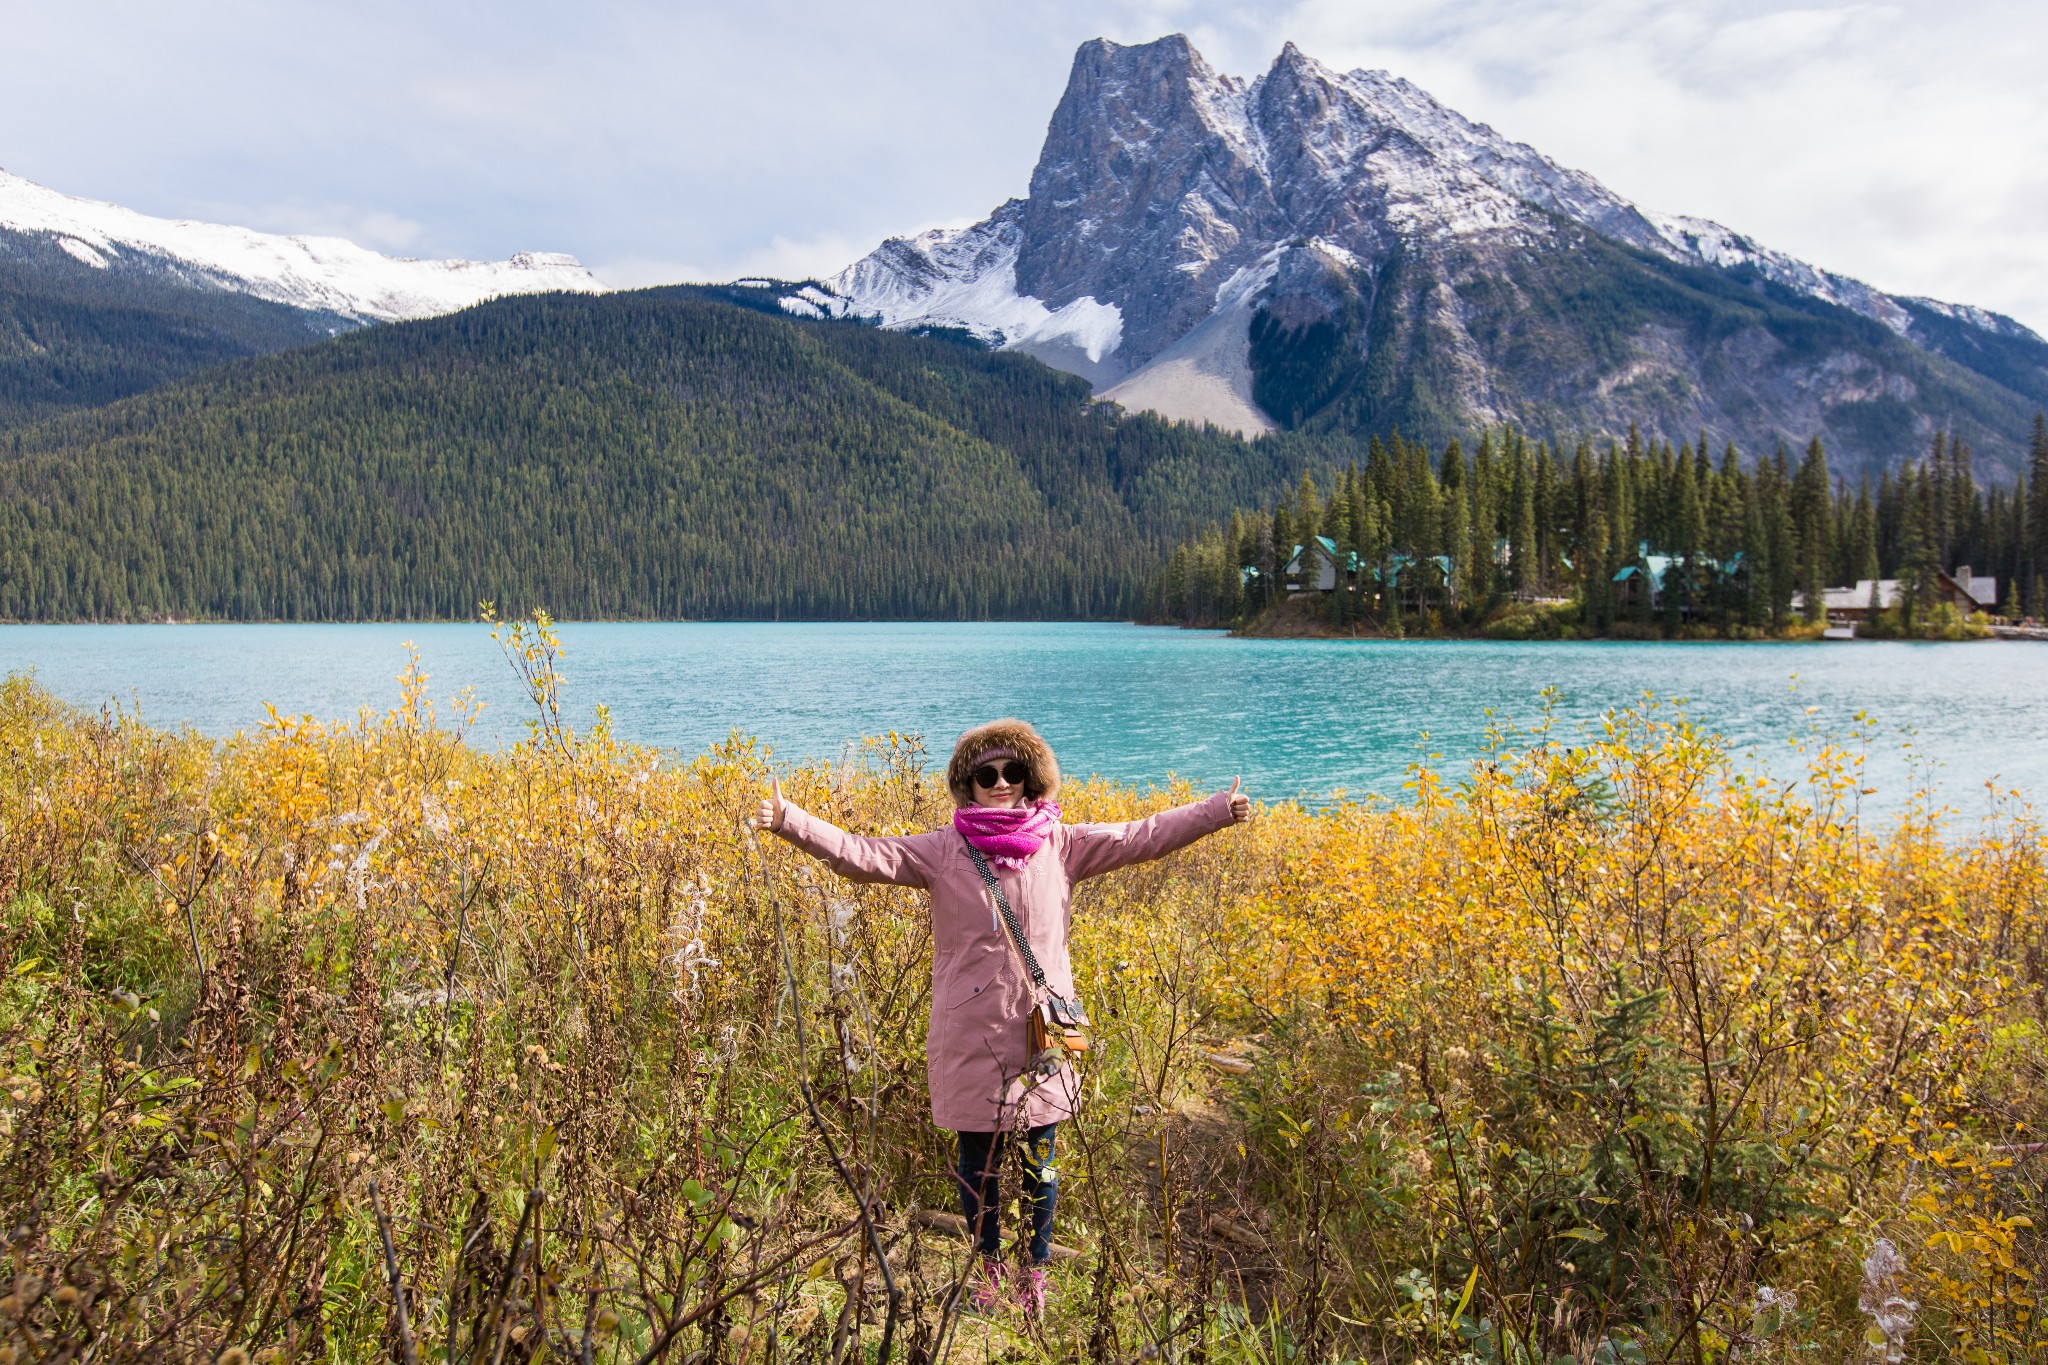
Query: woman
x,y
985,1085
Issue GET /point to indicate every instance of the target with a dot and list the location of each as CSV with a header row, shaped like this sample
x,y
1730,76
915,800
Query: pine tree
x,y
1363,538
1687,546
2037,517
1230,604
1596,593
1481,556
1283,545
1917,586
1863,561
1457,538
1254,549
1307,519
1522,533
1966,543
1940,522
1270,585
1811,509
1757,576
1621,540
1774,486
1386,602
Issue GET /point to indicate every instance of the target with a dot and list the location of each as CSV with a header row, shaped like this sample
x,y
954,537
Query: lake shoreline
x,y
1142,706
1294,629
1556,621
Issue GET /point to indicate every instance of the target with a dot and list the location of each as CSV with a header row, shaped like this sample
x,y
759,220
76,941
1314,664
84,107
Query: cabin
x,y
1967,592
1641,584
1847,606
1415,582
1313,568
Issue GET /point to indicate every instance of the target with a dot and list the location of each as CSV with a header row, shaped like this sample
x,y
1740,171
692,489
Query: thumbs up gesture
x,y
1240,804
771,807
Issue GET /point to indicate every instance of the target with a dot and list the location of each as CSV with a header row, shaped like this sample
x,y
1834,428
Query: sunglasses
x,y
1012,773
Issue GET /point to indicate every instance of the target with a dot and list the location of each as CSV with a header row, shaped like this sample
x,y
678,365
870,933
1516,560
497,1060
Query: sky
x,y
1905,144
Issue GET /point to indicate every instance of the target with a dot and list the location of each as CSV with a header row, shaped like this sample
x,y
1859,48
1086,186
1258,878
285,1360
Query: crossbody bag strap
x,y
995,889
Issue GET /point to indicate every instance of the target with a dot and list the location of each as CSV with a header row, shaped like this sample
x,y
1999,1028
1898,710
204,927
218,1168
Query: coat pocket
x,y
979,984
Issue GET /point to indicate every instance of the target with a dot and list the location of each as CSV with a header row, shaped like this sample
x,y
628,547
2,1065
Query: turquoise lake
x,y
1294,717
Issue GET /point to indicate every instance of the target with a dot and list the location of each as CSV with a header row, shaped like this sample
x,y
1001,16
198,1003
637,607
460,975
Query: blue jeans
x,y
980,1177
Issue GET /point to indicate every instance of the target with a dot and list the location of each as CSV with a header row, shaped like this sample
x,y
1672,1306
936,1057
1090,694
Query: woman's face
x,y
1008,788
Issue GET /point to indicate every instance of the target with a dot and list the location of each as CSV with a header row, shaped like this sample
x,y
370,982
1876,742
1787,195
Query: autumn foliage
x,y
360,1042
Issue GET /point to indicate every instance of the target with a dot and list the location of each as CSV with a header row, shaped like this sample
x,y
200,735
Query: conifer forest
x,y
650,455
1521,539
678,454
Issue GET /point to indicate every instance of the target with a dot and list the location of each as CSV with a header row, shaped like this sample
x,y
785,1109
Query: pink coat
x,y
976,1048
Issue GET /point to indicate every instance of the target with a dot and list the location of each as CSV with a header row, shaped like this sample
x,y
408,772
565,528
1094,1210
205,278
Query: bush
x,y
1533,621
1614,1050
1941,621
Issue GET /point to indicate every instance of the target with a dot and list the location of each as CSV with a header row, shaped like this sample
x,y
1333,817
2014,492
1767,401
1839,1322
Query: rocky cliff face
x,y
1323,249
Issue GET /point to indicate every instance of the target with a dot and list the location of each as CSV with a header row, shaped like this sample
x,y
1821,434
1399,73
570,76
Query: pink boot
x,y
985,1286
1031,1290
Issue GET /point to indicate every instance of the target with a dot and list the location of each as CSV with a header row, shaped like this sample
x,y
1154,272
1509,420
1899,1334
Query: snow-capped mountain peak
x,y
1164,185
321,274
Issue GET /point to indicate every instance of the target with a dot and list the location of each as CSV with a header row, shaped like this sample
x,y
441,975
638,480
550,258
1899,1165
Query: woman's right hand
x,y
1240,804
771,807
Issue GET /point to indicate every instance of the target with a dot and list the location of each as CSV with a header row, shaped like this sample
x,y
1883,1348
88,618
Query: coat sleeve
x,y
1095,849
894,859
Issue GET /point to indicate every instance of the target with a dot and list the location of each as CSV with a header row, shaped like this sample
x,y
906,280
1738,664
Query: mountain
x,y
1339,251
662,453
320,275
98,301
74,336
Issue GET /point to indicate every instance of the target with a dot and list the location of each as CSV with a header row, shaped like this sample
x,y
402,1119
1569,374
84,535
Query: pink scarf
x,y
1007,837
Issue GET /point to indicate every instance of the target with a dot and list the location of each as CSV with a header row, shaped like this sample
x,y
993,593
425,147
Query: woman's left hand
x,y
1240,804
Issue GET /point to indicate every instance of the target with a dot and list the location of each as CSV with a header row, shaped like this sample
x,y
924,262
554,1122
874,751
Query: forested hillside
x,y
655,454
72,336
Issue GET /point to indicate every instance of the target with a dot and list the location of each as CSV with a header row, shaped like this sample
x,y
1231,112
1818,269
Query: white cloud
x,y
785,259
781,258
1770,39
1903,143
377,228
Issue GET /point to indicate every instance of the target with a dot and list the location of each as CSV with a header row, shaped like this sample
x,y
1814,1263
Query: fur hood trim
x,y
1026,745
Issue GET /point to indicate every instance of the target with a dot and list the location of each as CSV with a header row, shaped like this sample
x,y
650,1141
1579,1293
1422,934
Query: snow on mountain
x,y
1525,173
967,278
321,274
1998,324
1515,168
1711,244
1164,185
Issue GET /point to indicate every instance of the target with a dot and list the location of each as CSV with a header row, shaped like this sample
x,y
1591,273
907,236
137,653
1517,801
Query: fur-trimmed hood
x,y
1042,770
